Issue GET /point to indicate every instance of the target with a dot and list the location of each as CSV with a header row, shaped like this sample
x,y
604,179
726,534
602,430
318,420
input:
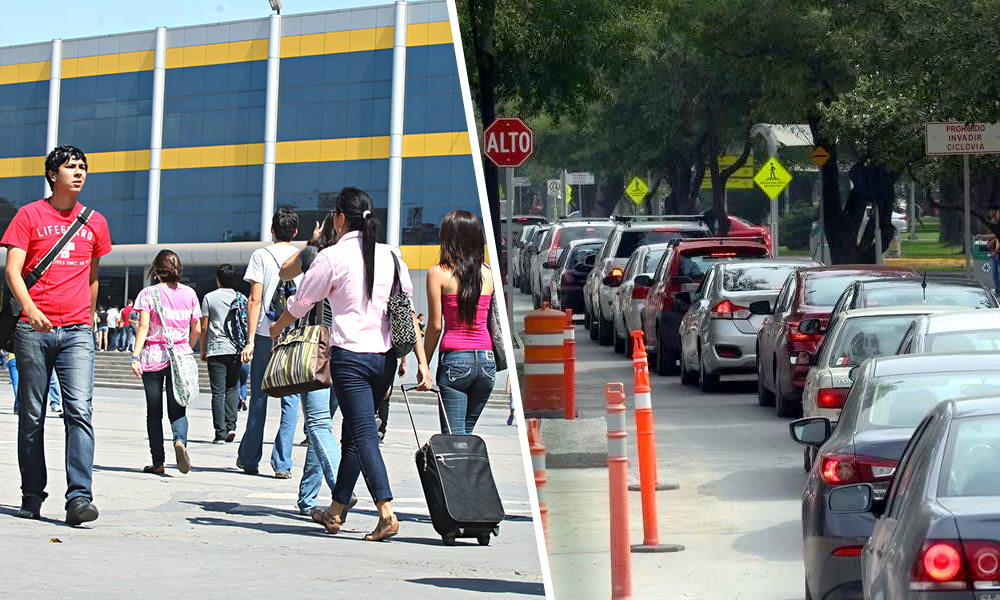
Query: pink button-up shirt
x,y
338,274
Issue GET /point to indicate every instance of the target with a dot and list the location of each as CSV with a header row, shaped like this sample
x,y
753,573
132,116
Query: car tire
x,y
586,318
620,343
592,329
605,332
707,382
688,377
785,407
666,360
765,397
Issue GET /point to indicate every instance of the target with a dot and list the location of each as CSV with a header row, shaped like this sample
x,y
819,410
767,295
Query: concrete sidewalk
x,y
218,533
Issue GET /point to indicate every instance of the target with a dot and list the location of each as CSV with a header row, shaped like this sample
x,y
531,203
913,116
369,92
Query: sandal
x,y
329,522
385,530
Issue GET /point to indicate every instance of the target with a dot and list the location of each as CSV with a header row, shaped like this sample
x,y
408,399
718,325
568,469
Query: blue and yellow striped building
x,y
195,135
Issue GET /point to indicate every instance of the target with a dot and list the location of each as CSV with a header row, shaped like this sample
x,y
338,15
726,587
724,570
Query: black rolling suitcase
x,y
458,484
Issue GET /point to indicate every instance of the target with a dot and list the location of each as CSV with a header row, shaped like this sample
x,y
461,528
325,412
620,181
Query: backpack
x,y
235,323
279,299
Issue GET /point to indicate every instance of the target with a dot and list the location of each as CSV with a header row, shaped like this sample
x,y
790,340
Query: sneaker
x,y
231,436
246,470
282,475
56,410
183,460
304,442
510,420
80,510
15,411
243,404
219,441
31,508
381,437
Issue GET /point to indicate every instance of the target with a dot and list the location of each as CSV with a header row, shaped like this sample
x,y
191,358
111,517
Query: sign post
x,y
508,142
953,138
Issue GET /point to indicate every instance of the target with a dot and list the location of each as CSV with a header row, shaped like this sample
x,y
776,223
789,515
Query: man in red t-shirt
x,y
55,331
127,335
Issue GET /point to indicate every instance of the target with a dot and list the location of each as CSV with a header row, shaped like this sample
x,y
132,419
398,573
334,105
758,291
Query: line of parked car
x,y
896,377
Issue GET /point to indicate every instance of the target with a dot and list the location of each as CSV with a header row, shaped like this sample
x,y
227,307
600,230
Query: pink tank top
x,y
458,335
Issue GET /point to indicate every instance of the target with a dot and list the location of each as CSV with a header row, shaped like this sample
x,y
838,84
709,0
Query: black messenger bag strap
x,y
43,265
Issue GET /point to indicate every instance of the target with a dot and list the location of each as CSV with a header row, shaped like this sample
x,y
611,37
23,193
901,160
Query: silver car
x,y
965,331
629,300
719,332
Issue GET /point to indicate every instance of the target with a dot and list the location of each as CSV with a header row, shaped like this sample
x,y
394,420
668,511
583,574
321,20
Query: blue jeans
x,y
242,389
466,380
152,384
12,369
130,342
323,455
252,444
70,351
55,395
361,381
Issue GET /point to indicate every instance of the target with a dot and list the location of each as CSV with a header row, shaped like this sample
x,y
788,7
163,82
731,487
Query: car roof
x,y
913,281
975,407
772,262
653,226
911,364
906,309
858,270
963,320
582,223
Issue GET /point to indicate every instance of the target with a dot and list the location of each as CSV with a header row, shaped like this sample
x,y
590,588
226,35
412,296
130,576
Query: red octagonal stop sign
x,y
508,142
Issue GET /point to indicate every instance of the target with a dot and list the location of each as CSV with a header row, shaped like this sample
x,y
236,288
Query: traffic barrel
x,y
621,559
537,451
569,372
646,443
544,361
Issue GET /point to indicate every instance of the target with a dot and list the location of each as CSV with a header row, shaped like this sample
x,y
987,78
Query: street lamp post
x,y
275,5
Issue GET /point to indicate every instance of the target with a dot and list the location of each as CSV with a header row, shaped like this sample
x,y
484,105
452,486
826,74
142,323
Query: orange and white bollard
x,y
646,443
621,560
569,373
544,362
537,451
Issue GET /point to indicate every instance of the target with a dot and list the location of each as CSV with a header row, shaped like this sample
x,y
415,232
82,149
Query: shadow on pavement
x,y
782,542
489,586
776,483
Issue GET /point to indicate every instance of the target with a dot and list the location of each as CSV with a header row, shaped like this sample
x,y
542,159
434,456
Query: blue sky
x,y
26,23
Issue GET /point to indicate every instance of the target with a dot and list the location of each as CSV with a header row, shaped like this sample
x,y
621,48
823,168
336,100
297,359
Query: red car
x,y
681,270
741,228
786,344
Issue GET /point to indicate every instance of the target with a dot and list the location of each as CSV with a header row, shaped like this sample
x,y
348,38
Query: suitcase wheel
x,y
449,540
484,539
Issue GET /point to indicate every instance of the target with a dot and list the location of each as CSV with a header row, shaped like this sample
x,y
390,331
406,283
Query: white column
x,y
156,137
392,229
52,126
270,126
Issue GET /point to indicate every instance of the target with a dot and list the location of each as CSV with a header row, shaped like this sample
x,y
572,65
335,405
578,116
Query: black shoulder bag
x,y
11,312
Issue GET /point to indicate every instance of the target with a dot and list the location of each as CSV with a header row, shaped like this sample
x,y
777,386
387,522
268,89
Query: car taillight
x,y
832,397
939,566
983,558
640,292
842,469
848,551
553,255
728,310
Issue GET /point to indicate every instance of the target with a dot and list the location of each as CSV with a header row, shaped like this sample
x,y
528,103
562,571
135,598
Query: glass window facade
x,y
106,113
24,112
15,192
217,204
122,197
214,105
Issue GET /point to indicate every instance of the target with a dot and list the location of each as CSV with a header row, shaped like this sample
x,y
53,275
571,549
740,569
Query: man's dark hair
x,y
59,156
285,223
226,274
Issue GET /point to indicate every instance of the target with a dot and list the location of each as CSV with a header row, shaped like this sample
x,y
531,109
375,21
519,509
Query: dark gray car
x,y
937,535
889,398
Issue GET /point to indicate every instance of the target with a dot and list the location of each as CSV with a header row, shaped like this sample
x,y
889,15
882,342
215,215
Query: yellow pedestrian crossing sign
x,y
772,178
636,190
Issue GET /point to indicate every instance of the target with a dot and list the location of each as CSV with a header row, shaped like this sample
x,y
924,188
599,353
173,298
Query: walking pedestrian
x,y
221,353
244,375
9,362
54,330
114,327
262,273
459,289
131,317
150,362
356,277
102,329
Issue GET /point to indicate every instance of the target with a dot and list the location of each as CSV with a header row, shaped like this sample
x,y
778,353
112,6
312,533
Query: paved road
x,y
218,533
737,511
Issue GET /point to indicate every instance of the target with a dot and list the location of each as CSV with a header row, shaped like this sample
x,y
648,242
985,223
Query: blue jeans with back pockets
x,y
466,379
68,350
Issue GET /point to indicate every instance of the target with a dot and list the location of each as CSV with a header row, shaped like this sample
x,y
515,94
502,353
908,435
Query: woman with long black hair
x,y
459,289
356,276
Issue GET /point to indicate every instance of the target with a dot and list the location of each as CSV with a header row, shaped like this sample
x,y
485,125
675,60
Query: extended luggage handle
x,y
407,387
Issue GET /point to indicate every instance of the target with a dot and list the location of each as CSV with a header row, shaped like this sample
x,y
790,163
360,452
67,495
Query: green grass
x,y
927,245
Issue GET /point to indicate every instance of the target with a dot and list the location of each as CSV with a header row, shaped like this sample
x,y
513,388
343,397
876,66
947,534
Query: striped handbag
x,y
299,363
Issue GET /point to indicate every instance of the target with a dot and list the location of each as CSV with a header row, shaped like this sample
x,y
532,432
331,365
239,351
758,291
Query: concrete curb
x,y
577,444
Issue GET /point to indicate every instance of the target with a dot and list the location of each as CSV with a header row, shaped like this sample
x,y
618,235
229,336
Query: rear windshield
x,y
652,260
824,291
972,459
633,239
754,278
868,337
898,295
565,235
903,400
697,261
579,254
957,342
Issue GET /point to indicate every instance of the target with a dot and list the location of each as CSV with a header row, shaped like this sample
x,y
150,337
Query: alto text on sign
x,y
508,142
950,138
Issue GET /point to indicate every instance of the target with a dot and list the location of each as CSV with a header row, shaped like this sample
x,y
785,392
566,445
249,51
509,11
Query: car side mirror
x,y
549,265
851,499
853,373
811,327
590,260
813,431
760,307
532,249
583,268
612,280
643,281
813,360
684,297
